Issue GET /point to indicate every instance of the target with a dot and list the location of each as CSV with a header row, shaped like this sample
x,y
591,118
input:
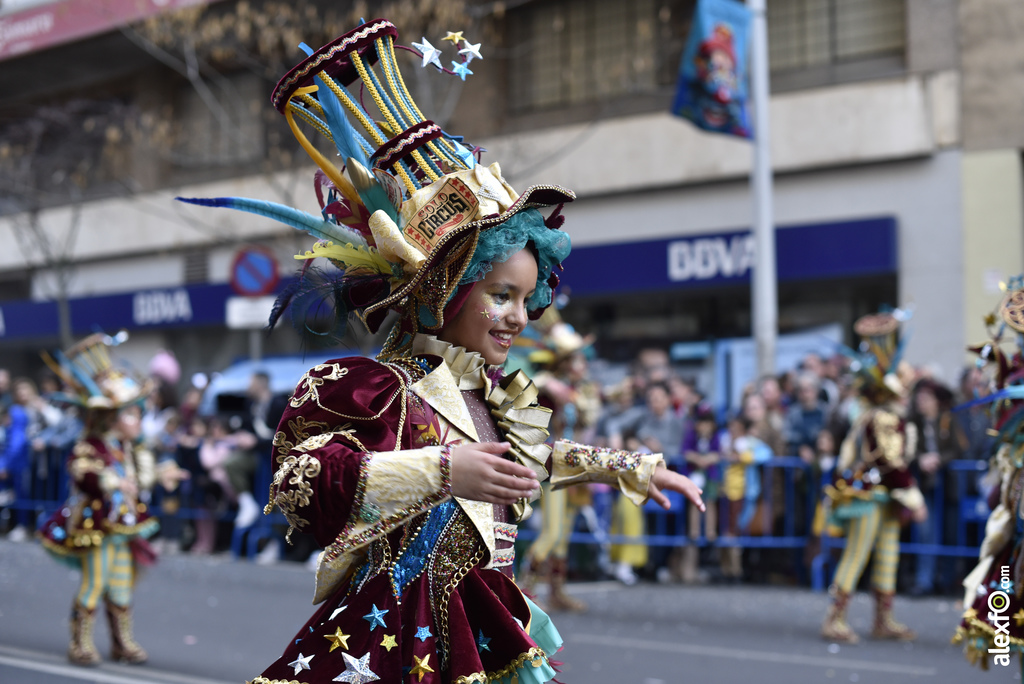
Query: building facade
x,y
895,141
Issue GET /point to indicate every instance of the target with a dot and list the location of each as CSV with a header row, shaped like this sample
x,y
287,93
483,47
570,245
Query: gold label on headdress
x,y
452,206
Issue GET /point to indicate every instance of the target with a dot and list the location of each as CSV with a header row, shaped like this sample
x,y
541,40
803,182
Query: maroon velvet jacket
x,y
96,509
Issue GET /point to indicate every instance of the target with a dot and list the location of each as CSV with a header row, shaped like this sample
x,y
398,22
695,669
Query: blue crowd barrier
x,y
791,529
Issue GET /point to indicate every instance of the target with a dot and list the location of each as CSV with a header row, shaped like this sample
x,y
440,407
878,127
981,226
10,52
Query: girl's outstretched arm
x,y
664,478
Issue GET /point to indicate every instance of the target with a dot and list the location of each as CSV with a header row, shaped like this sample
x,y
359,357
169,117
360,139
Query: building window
x,y
811,34
220,125
572,52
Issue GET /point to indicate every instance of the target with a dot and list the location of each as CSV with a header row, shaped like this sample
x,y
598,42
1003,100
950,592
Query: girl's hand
x,y
664,478
480,473
920,514
129,488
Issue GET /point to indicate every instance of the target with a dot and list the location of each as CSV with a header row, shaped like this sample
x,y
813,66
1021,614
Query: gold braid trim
x,y
842,492
302,468
982,629
535,656
973,654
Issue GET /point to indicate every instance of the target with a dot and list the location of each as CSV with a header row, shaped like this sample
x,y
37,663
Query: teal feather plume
x,y
373,194
317,227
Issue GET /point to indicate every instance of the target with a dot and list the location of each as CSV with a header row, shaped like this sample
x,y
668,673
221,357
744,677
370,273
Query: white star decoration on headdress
x,y
461,70
300,663
356,671
431,55
471,51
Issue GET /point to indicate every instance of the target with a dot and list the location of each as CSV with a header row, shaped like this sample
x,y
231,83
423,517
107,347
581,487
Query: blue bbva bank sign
x,y
186,306
808,252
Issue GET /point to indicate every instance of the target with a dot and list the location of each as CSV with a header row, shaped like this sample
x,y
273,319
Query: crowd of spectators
x,y
803,414
222,454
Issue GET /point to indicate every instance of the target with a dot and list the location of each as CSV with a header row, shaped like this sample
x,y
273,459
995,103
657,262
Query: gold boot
x,y
558,600
123,646
835,627
885,626
534,572
82,650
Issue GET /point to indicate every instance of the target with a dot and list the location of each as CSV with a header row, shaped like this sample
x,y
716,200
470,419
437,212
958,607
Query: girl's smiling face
x,y
494,314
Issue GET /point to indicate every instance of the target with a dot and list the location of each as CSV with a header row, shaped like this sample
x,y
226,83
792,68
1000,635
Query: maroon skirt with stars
x,y
487,619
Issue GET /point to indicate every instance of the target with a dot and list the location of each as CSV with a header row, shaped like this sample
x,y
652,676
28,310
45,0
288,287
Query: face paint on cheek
x,y
497,307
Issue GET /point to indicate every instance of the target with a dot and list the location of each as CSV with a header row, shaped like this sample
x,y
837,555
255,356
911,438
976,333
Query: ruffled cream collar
x,y
468,368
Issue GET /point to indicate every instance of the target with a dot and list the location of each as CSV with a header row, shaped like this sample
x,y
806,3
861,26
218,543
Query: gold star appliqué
x,y
389,642
421,667
337,639
455,37
1019,617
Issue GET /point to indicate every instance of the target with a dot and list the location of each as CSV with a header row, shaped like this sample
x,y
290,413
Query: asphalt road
x,y
214,621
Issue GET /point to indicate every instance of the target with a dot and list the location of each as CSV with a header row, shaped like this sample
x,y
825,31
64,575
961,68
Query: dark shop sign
x,y
192,305
808,252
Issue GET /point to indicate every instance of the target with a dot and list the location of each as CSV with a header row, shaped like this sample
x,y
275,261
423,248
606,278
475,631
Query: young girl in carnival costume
x,y
413,470
991,626
102,527
873,493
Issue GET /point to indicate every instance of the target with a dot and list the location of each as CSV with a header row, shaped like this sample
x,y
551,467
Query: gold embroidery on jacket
x,y
312,383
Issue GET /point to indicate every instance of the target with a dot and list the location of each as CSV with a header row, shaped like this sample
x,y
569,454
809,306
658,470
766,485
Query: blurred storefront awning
x,y
38,24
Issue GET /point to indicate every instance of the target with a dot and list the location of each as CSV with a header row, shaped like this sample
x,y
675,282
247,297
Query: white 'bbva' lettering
x,y
161,306
706,258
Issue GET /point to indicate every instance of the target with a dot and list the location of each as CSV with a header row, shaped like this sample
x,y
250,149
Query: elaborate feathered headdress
x,y
403,215
1005,325
95,382
877,363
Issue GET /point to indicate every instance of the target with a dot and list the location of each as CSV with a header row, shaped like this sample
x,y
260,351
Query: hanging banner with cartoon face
x,y
712,88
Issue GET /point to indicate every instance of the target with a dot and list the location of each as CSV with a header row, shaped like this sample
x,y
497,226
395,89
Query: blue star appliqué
x,y
482,642
423,633
461,70
375,617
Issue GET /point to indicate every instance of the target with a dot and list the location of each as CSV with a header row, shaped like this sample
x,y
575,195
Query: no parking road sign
x,y
254,272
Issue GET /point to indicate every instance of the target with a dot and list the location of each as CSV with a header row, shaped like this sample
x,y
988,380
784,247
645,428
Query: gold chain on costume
x,y
457,577
535,656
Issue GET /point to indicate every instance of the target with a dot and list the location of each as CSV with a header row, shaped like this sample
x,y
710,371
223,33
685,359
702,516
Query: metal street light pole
x,y
764,296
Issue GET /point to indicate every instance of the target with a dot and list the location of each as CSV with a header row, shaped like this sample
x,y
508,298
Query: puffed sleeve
x,y
145,467
342,474
573,463
88,469
890,439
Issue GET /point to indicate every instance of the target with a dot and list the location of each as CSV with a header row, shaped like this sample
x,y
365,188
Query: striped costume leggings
x,y
107,570
557,517
877,531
